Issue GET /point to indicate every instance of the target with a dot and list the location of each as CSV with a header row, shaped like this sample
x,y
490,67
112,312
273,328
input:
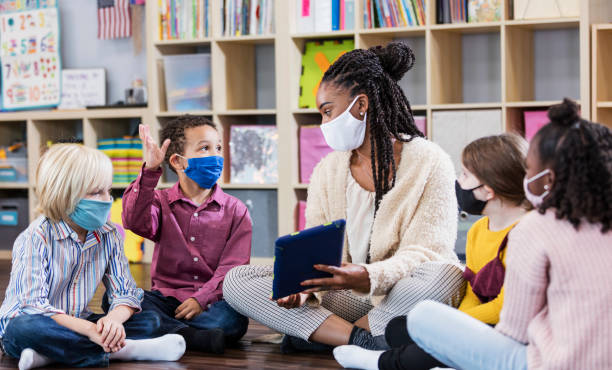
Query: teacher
x,y
396,191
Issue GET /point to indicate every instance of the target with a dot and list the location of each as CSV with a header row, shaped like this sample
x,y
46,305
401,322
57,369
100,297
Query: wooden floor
x,y
247,356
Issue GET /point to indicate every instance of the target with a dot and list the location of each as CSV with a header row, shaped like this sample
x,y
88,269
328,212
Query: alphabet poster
x,y
31,69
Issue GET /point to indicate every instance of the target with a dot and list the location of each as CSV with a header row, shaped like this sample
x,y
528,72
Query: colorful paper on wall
x,y
30,57
317,58
313,148
253,154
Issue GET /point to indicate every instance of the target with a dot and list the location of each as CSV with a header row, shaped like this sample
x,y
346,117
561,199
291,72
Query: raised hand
x,y
154,155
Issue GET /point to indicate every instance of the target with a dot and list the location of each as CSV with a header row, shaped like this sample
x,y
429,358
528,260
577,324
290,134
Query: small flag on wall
x,y
114,19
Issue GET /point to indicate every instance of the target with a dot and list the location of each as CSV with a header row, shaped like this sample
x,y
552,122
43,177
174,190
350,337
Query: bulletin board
x,y
29,52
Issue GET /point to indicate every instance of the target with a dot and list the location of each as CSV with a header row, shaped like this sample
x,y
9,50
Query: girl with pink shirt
x,y
556,312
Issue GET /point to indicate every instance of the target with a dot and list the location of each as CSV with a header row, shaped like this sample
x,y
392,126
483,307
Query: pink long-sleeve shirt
x,y
558,296
195,246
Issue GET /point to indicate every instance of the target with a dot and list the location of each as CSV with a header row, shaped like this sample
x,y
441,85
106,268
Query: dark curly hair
x,y
580,154
375,72
175,131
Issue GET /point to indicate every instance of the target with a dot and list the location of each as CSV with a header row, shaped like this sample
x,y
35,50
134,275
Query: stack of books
x,y
393,13
248,17
183,19
325,15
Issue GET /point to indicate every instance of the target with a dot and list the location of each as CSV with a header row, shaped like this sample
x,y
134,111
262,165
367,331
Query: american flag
x,y
114,19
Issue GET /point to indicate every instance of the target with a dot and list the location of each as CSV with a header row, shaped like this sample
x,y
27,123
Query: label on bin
x,y
8,218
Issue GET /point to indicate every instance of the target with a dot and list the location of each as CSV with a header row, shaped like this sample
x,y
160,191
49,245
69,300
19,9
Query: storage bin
x,y
187,80
14,169
14,217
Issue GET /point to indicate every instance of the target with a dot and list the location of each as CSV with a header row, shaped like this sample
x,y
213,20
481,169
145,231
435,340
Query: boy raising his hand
x,y
200,233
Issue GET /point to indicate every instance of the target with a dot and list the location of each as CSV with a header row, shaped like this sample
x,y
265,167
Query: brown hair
x,y
175,131
499,162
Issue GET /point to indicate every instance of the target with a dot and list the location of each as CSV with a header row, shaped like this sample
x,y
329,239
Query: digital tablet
x,y
296,254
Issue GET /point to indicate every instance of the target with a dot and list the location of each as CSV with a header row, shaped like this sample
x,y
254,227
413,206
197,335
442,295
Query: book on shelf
x,y
454,130
313,148
534,121
126,155
247,17
183,19
300,215
263,209
393,13
324,15
472,11
421,123
318,56
253,154
541,9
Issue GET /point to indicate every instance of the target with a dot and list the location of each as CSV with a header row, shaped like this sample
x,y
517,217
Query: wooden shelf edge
x,y
544,23
52,115
6,255
300,186
246,112
305,111
393,30
468,27
178,114
190,42
320,35
604,104
528,104
246,39
465,106
14,185
602,26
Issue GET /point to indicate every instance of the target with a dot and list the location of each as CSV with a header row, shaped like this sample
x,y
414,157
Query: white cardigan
x,y
415,223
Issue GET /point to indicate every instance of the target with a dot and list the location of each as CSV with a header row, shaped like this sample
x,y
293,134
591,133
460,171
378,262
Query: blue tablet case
x,y
297,253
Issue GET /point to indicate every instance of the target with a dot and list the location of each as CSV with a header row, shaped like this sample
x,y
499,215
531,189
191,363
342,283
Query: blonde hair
x,y
65,174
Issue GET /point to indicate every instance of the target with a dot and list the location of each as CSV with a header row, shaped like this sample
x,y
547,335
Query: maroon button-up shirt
x,y
195,246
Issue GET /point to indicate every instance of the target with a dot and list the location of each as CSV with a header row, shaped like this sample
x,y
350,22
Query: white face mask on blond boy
x,y
345,132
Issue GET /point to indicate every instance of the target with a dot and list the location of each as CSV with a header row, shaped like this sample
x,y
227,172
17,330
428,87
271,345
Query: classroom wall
x,y
80,48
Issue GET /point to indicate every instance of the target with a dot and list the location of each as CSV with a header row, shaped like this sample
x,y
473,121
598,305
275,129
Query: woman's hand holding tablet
x,y
347,276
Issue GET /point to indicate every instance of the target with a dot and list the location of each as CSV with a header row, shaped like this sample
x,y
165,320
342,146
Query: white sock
x,y
355,357
30,359
169,347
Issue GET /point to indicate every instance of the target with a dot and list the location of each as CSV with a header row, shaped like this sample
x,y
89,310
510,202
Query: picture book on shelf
x,y
253,154
317,58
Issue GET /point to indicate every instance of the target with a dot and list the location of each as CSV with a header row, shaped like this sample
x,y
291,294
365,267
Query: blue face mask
x,y
205,171
91,214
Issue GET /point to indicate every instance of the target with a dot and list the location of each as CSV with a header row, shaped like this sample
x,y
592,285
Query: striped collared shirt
x,y
53,272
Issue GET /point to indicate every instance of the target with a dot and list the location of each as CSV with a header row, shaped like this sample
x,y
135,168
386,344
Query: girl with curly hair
x,y
557,296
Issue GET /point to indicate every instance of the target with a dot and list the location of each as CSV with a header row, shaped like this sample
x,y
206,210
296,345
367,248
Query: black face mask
x,y
467,202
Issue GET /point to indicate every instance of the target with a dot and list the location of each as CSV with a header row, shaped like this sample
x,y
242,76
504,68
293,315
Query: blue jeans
x,y
62,345
218,315
460,341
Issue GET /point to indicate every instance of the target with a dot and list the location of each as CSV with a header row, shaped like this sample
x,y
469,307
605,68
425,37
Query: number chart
x,y
29,53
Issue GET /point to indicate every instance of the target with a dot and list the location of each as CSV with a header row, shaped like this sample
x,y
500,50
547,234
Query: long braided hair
x,y
580,154
375,73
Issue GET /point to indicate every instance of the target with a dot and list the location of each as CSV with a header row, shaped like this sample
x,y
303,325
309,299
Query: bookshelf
x,y
602,75
512,52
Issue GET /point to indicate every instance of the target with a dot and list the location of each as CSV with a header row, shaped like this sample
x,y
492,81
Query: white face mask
x,y
345,132
536,200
